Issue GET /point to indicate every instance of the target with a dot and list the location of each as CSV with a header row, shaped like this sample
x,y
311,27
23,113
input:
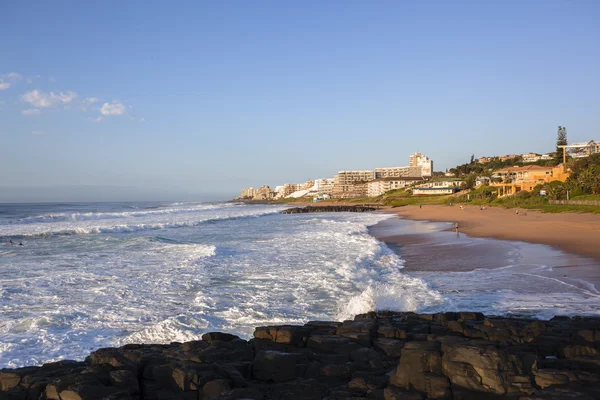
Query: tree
x,y
585,176
561,140
472,159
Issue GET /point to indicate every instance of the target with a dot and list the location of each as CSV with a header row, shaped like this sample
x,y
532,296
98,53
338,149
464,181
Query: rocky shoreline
x,y
319,209
379,355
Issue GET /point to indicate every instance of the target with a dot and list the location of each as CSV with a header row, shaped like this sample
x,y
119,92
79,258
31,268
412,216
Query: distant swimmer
x,y
20,244
10,242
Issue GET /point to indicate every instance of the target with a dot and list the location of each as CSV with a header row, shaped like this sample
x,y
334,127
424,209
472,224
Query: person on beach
x,y
456,226
517,212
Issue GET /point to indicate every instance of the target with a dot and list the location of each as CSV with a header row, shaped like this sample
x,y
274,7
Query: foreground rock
x,y
377,356
318,209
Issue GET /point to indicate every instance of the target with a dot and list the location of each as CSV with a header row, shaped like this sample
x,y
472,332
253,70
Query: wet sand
x,y
434,246
571,232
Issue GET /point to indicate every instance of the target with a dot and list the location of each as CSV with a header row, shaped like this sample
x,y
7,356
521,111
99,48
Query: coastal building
x,y
248,193
581,149
484,160
428,191
278,192
351,184
515,179
323,186
419,160
399,172
531,157
379,186
264,193
289,188
508,157
418,166
482,180
444,183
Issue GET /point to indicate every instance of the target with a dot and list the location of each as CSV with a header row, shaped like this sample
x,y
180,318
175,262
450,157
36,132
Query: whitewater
x,y
108,274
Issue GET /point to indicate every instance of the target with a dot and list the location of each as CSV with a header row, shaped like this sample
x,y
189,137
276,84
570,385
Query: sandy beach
x,y
574,233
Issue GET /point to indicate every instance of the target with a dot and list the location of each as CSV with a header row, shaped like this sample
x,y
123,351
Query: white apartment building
x,y
380,186
398,172
349,184
248,193
323,186
420,160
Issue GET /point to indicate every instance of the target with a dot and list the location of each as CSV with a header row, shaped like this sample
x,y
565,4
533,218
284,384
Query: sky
x,y
156,100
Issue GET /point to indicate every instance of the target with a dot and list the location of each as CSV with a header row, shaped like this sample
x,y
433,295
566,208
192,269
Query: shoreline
x,y
571,255
570,232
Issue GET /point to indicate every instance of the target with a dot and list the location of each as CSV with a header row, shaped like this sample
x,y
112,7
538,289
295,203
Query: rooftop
x,y
525,168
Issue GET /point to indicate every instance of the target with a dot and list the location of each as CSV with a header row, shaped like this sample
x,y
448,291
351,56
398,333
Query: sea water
x,y
99,275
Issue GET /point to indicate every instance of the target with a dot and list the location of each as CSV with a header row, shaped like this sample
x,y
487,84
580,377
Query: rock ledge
x,y
379,355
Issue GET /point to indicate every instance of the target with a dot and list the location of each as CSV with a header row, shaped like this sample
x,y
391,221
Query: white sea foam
x,y
157,278
94,223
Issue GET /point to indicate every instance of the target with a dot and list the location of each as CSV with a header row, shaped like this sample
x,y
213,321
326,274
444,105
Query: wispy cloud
x,y
114,108
44,100
7,80
31,111
37,132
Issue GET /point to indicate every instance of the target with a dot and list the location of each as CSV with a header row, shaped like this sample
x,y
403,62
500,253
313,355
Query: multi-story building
x,y
419,160
289,188
515,179
323,186
248,193
264,193
306,185
484,160
399,172
379,186
349,184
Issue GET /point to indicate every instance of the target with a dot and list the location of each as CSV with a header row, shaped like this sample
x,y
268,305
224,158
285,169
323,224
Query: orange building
x,y
515,179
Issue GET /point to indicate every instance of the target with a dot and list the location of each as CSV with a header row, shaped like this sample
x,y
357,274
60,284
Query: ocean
x,y
108,274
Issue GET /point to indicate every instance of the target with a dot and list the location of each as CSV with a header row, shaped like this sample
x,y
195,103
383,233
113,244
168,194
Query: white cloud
x,y
6,80
31,111
37,132
92,100
98,119
42,100
114,108
13,76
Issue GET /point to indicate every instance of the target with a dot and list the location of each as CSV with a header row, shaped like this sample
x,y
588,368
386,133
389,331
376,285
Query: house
x,y
482,180
515,179
531,157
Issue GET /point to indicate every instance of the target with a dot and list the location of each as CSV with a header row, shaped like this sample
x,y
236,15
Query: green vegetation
x,y
583,184
561,140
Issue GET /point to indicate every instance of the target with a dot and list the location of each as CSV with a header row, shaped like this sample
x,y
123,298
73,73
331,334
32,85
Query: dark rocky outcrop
x,y
320,209
383,355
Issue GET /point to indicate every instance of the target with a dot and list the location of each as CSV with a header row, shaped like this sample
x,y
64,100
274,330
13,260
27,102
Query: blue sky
x,y
170,100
